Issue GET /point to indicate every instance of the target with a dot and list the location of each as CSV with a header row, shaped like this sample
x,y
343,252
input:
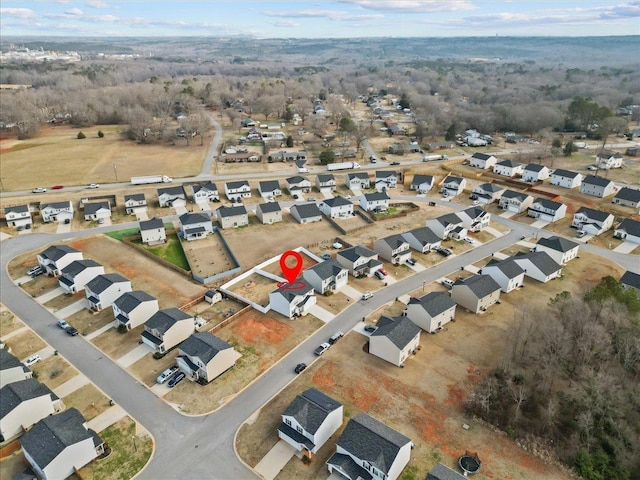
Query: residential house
x,y
474,219
203,357
326,182
172,197
60,445
538,265
293,300
566,178
269,212
24,403
306,213
152,231
422,183
628,230
241,157
369,449
248,122
547,210
207,192
483,161
487,193
385,179
606,159
444,225
54,258
236,191
196,225
628,197
269,189
309,421
357,180
629,280
396,129
422,239
361,261
337,207
597,186
513,201
453,186
232,217
592,221
329,275
375,202
97,211
393,248
135,203
11,369
476,293
442,472
508,168
300,156
18,216
507,273
104,289
535,173
298,185
57,212
431,311
559,249
394,339
78,273
167,328
132,309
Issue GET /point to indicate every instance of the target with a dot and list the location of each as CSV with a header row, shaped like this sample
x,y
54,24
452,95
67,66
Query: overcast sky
x,y
320,19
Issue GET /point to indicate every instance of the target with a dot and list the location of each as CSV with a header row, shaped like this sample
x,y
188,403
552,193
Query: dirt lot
x,y
87,321
424,400
256,288
8,321
89,400
54,371
216,313
208,256
25,343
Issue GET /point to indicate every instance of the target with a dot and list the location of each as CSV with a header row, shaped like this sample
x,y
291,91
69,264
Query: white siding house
x,y
325,276
293,300
195,225
483,161
166,329
269,212
559,249
507,273
393,248
508,168
394,340
359,260
77,274
18,216
453,186
232,217
56,257
628,230
547,210
593,222
104,289
566,178
152,231
476,293
375,202
203,357
237,190
534,173
132,309
515,201
538,265
431,311
337,207
597,186
56,212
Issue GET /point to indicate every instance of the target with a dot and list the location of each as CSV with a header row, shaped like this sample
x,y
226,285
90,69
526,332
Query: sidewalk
x,y
106,419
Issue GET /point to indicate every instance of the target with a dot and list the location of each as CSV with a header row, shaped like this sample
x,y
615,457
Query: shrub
x,y
81,136
100,134
122,328
157,356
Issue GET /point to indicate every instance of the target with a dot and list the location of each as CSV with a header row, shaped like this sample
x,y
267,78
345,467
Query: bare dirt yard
x,y
25,343
208,256
54,371
425,400
256,288
90,401
8,321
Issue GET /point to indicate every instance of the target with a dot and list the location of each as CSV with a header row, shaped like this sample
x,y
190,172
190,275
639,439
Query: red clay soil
x,y
264,330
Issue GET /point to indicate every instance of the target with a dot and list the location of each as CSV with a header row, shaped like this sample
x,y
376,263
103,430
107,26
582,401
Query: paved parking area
x,y
321,314
63,227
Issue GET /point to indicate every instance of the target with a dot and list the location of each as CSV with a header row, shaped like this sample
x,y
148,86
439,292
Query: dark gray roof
x,y
163,320
534,167
302,288
77,266
210,187
542,260
400,330
598,181
152,224
608,153
481,156
448,219
234,185
546,203
327,269
630,279
193,218
56,252
307,210
7,360
269,207
128,301
424,235
325,177
368,439
490,187
456,180
508,163
57,205
394,241
203,345
17,209
171,191
594,214
136,197
442,472
514,194
349,466
558,172
420,179
354,253
310,408
52,435
100,283
385,173
358,175
337,202
632,227
231,211
92,208
376,196
296,179
434,303
269,185
507,266
13,394
480,285
629,194
560,244
474,212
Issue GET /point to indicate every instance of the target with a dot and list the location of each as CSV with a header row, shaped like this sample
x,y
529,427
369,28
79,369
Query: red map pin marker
x,y
291,273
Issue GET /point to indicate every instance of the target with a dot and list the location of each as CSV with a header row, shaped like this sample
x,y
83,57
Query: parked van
x,y
35,271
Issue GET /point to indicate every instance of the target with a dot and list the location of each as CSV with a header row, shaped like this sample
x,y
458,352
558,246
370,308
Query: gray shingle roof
x,y
448,219
368,439
508,163
420,179
307,210
480,285
534,167
337,202
327,269
376,196
203,345
172,191
594,214
454,180
542,260
7,360
628,194
52,435
100,283
631,279
632,227
57,205
310,408
209,187
193,218
434,303
598,181
152,224
394,241
304,288
481,156
560,244
269,185
358,175
231,211
269,207
442,472
513,194
559,172
92,208
424,235
385,174
546,203
295,180
127,302
77,266
354,253
490,188
506,266
136,197
327,177
56,252
17,209
235,185
13,394
163,320
400,330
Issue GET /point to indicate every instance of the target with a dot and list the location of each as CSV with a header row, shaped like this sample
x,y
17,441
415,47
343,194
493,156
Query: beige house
x,y
476,293
166,329
232,217
431,311
204,357
134,308
393,248
152,231
394,339
104,289
361,261
269,212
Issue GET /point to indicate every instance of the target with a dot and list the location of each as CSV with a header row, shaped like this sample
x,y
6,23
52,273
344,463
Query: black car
x,y
445,252
176,379
300,367
71,331
370,328
411,261
395,163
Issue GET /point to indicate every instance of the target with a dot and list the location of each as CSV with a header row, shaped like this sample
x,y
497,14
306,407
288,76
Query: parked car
x,y
335,337
581,233
63,324
38,190
337,245
432,204
445,252
57,187
395,163
176,379
322,348
101,220
93,185
67,221
35,358
71,331
475,203
447,283
468,239
300,367
367,295
326,256
370,328
411,261
379,274
166,375
35,271
384,272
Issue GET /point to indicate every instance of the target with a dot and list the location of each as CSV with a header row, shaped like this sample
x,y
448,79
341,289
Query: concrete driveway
x,y
75,307
275,460
626,247
45,297
63,227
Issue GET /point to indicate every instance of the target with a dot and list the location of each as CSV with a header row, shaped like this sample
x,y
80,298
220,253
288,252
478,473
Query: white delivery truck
x,y
343,166
433,158
151,179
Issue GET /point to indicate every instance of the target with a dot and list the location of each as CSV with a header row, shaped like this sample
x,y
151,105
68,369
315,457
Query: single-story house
x,y
269,212
560,249
476,293
104,289
628,230
357,180
606,159
57,212
337,207
375,202
631,280
236,191
487,193
97,210
132,309
422,183
167,328
394,339
78,273
533,172
547,210
597,186
513,201
629,197
172,197
508,168
306,213
135,203
293,300
12,369
360,261
195,225
385,179
483,161
232,217
538,265
507,273
309,421
592,221
269,189
453,186
422,239
394,249
241,157
298,184
152,231
203,357
326,182
326,276
566,178
18,216
431,311
54,258
207,192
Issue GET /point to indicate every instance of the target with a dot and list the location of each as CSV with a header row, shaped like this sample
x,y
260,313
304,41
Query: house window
x,y
287,421
299,429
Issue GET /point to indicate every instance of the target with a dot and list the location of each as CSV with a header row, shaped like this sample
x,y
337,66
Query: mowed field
x,y
56,156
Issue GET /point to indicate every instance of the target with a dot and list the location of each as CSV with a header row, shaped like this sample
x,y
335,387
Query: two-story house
x,y
431,311
11,369
104,289
293,300
54,258
476,293
195,225
628,197
483,161
538,265
487,193
357,180
444,225
422,239
394,339
57,212
236,191
513,201
360,261
78,273
18,216
508,168
474,219
592,221
560,249
422,183
205,193
269,189
394,249
453,186
269,212
337,207
326,183
97,211
306,213
385,179
166,328
597,186
325,276
132,309
566,178
375,202
628,230
152,232
172,197
203,357
606,159
507,273
232,217
533,172
547,210
135,203
298,185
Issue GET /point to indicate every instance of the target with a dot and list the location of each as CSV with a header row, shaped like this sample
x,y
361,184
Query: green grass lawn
x,y
120,234
171,251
